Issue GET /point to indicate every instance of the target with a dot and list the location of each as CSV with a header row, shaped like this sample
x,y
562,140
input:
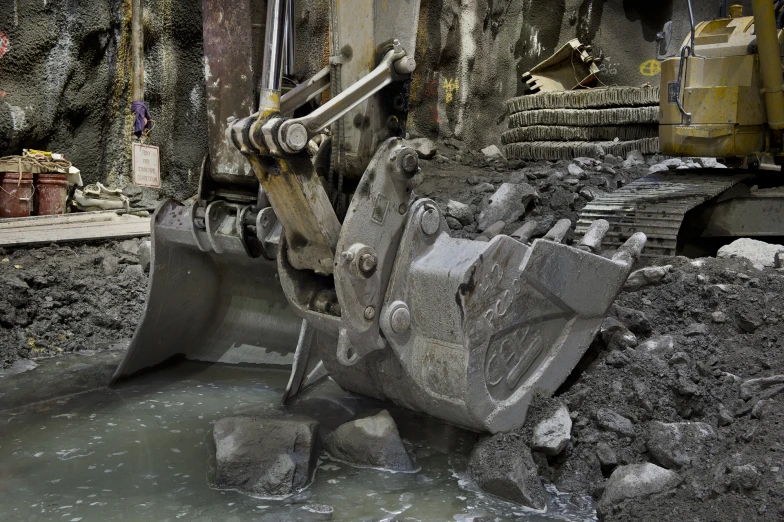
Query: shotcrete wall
x,y
65,70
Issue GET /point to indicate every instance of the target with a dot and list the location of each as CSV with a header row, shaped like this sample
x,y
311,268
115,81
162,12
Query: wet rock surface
x,y
370,442
502,465
265,455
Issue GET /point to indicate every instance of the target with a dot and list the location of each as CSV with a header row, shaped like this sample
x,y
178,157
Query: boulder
x,y
502,465
760,254
646,276
493,153
675,445
636,481
507,204
635,157
424,147
553,433
636,321
370,442
612,421
576,171
460,211
274,456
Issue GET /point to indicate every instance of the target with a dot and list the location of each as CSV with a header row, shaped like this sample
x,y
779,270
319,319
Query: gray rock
x,y
15,282
493,153
132,191
778,261
636,481
507,204
695,329
635,157
370,442
675,445
483,188
424,147
710,163
725,416
616,336
145,253
266,456
553,433
755,387
612,421
760,254
673,163
453,223
110,264
636,321
460,211
608,460
576,171
502,465
587,194
658,168
130,246
719,317
646,276
659,345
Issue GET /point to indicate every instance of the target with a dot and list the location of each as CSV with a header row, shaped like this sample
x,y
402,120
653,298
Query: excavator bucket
x,y
218,307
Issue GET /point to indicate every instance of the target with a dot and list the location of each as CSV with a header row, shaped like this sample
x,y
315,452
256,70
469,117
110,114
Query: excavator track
x,y
656,205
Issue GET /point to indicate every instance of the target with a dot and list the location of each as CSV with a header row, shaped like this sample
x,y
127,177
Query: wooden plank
x,y
116,229
77,217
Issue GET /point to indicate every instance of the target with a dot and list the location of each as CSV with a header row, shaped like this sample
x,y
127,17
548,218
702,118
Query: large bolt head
x,y
408,162
370,313
430,221
367,263
400,318
296,137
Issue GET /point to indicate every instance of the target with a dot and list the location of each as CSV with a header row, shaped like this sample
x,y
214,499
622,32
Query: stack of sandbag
x,y
590,122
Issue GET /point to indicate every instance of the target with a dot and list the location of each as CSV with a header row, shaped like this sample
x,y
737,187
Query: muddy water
x,y
144,451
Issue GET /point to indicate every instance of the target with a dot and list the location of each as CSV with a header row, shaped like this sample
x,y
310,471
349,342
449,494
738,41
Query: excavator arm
x,y
391,306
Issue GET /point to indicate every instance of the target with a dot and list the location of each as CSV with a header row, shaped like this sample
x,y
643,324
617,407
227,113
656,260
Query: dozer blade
x,y
226,307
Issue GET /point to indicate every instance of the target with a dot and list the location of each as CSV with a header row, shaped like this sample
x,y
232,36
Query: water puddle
x,y
144,451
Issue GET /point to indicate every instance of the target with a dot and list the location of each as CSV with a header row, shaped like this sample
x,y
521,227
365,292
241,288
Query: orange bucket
x,y
16,194
51,194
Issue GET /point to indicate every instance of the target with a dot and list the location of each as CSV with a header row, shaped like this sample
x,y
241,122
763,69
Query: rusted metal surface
x,y
16,195
51,194
229,76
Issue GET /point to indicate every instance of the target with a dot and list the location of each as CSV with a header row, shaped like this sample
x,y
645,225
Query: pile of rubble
x,y
59,298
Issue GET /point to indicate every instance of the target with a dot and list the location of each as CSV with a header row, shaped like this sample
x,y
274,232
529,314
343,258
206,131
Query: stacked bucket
x,y
24,194
588,123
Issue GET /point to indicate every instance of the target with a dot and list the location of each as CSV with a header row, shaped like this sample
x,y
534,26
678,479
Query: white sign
x,y
146,166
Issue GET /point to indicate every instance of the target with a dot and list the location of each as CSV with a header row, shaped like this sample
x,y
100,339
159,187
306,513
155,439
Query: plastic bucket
x,y
16,195
51,194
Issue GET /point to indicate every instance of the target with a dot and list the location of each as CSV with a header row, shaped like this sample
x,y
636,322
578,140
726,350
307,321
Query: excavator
x,y
308,247
721,97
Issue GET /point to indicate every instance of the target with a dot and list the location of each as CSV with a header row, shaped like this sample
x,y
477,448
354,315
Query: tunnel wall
x,y
65,70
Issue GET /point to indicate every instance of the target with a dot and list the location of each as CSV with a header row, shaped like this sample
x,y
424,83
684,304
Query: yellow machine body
x,y
721,88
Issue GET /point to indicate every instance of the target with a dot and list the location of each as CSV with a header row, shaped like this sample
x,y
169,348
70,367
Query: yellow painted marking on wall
x,y
650,68
451,86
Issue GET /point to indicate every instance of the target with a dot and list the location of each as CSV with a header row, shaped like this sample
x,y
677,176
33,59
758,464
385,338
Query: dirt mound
x,y
59,298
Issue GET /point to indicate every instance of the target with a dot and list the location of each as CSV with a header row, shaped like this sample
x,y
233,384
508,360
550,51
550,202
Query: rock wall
x,y
65,82
65,70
